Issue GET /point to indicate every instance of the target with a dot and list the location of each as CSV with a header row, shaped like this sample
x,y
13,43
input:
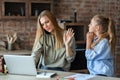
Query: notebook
x,y
24,65
46,75
19,64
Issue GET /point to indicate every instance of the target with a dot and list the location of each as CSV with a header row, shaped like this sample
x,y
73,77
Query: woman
x,y
100,45
53,49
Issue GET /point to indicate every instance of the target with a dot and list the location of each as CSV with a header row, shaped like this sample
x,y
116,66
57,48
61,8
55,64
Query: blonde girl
x,y
100,45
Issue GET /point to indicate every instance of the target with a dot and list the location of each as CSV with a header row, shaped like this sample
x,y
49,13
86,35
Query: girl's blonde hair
x,y
108,30
58,32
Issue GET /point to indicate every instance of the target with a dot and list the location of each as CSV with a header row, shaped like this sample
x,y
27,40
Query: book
x,y
46,75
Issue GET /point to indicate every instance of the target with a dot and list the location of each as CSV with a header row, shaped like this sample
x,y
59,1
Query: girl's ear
x,y
98,28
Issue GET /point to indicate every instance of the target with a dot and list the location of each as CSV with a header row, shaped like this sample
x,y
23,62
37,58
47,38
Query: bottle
x,y
22,11
36,12
75,15
3,68
1,64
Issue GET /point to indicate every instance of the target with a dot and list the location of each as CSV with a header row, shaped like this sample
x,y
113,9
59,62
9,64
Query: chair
x,y
79,65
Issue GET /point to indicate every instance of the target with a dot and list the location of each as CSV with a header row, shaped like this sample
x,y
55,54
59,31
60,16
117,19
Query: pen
x,y
45,73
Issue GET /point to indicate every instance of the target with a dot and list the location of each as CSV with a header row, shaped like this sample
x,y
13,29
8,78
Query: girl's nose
x,y
89,25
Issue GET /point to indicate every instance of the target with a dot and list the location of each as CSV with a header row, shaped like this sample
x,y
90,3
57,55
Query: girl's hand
x,y
71,78
90,36
89,41
67,36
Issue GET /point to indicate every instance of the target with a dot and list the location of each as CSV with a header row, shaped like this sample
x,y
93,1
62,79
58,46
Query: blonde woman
x,y
54,48
100,45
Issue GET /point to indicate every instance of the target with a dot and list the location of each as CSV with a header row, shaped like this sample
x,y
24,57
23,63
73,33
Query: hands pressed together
x,y
89,37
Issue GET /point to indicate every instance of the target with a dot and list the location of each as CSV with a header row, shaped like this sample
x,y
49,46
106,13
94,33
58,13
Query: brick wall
x,y
24,28
63,9
86,9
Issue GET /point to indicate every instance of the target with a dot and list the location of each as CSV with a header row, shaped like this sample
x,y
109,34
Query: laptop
x,y
20,64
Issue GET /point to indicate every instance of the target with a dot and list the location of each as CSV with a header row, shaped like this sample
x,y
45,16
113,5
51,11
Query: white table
x,y
60,74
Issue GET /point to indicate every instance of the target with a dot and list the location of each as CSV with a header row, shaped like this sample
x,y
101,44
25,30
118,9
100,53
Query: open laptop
x,y
20,64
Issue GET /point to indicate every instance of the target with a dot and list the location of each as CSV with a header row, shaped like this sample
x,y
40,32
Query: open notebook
x,y
46,75
24,65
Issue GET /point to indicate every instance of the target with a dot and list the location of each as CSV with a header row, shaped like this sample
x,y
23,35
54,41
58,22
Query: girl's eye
x,y
90,24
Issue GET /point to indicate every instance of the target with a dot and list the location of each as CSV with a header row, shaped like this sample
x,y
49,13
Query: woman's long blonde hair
x,y
108,30
58,32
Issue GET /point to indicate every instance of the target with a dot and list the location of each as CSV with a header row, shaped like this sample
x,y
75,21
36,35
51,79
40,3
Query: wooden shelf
x,y
21,9
16,52
36,6
14,9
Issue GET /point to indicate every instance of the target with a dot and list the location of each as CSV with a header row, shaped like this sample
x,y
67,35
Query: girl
x,y
100,45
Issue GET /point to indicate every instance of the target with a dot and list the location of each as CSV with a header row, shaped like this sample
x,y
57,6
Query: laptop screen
x,y
20,64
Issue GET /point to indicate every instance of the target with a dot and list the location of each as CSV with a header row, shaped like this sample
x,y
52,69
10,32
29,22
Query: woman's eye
x,y
42,24
47,22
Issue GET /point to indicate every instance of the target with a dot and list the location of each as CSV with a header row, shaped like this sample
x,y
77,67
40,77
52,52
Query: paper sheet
x,y
80,76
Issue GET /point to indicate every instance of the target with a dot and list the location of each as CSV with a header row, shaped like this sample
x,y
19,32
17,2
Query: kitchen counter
x,y
16,52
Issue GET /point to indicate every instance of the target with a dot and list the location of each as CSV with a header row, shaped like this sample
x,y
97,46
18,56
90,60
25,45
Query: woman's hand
x,y
68,36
